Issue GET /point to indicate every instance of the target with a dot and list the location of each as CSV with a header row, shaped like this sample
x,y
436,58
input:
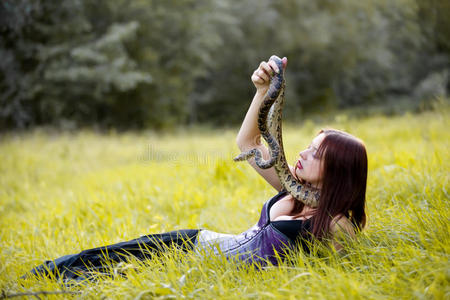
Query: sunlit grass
x,y
62,193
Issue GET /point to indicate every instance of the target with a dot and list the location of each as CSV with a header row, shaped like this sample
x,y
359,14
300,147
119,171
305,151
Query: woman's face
x,y
309,166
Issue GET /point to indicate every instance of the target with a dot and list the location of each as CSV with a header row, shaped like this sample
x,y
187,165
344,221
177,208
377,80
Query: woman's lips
x,y
299,165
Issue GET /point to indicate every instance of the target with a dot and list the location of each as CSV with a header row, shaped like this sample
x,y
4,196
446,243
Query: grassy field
x,y
62,193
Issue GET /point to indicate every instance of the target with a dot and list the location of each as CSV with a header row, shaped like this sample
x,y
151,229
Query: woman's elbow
x,y
245,144
240,143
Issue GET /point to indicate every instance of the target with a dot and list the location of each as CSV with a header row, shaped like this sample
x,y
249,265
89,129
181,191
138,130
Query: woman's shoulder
x,y
341,228
341,224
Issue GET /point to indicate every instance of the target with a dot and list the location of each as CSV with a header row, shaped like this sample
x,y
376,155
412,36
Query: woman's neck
x,y
308,211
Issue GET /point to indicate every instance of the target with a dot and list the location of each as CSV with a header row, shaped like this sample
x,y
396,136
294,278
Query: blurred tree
x,y
247,37
435,23
58,67
351,52
176,42
434,16
26,26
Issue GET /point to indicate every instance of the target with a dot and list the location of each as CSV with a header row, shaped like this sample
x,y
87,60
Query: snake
x,y
270,126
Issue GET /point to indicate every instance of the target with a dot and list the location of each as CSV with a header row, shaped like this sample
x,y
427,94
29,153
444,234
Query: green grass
x,y
62,193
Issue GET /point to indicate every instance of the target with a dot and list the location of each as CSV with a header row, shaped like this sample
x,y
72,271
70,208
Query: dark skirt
x,y
83,265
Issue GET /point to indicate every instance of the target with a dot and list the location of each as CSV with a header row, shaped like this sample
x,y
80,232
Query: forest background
x,y
161,64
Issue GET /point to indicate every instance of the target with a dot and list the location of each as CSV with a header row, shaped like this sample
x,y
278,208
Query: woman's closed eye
x,y
310,150
314,152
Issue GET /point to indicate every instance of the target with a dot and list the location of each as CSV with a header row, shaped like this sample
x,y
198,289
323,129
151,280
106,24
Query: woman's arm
x,y
249,136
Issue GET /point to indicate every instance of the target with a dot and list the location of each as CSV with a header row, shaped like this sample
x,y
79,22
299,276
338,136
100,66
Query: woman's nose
x,y
303,154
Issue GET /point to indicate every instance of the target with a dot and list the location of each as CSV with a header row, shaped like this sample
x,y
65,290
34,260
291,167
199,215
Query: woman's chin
x,y
301,180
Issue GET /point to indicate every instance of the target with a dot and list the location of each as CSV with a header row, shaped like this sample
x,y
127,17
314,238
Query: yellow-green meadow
x,y
61,193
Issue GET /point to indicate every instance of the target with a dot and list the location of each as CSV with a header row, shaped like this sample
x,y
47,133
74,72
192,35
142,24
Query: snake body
x,y
269,124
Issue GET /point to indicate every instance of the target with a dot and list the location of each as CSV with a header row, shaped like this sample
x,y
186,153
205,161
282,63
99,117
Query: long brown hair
x,y
344,181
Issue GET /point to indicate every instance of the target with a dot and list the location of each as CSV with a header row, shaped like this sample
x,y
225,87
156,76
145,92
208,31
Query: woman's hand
x,y
261,76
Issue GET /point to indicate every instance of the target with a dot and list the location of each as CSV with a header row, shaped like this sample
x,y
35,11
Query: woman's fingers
x,y
260,77
265,70
263,74
274,66
257,79
267,67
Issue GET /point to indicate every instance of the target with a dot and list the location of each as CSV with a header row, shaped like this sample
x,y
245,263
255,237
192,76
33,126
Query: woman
x,y
335,163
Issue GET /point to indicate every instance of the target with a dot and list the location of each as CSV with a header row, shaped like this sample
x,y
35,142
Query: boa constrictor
x,y
269,124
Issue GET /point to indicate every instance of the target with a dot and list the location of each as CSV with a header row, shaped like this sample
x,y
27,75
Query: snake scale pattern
x,y
269,124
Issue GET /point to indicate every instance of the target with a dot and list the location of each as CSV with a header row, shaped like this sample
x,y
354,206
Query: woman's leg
x,y
75,265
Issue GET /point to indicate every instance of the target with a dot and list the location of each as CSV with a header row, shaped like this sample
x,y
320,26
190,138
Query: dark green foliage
x,y
135,64
60,68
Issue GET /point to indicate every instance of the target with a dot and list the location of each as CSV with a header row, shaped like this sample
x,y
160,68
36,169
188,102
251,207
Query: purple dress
x,y
262,243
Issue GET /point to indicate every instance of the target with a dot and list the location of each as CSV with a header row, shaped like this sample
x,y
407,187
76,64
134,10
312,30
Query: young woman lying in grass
x,y
335,163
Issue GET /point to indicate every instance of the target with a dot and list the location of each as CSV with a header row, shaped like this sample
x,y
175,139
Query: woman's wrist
x,y
261,92
259,96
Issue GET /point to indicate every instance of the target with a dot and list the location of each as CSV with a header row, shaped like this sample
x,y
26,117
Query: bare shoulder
x,y
341,228
281,209
341,224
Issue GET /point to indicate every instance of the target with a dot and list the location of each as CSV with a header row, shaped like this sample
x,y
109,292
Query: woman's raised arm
x,y
249,136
